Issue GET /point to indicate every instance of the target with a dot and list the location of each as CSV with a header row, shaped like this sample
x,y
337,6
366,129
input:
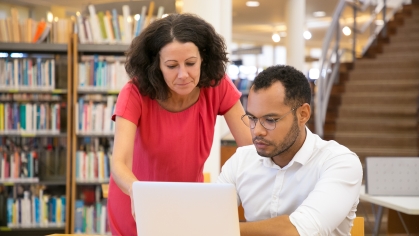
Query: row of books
x,y
102,73
18,165
27,73
92,166
29,160
36,210
17,30
95,117
91,219
109,27
30,117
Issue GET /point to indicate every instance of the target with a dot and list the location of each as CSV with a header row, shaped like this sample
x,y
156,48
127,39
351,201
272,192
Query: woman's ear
x,y
304,113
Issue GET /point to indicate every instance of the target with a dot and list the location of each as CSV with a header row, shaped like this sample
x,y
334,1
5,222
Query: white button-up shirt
x,y
318,189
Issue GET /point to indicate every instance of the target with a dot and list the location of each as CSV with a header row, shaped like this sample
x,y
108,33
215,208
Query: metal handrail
x,y
331,51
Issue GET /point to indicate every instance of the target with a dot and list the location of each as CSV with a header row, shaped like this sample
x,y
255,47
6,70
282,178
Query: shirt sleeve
x,y
332,198
228,93
128,104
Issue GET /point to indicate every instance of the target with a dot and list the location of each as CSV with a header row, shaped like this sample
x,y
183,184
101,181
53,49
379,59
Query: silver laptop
x,y
185,209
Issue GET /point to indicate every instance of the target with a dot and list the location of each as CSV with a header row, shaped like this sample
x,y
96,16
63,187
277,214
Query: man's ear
x,y
304,113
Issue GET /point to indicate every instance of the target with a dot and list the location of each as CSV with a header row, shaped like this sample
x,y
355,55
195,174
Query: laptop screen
x,y
185,209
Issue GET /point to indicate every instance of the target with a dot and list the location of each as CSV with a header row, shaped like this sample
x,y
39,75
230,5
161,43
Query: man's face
x,y
270,103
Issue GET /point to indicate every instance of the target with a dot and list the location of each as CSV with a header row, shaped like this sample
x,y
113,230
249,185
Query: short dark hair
x,y
297,88
142,63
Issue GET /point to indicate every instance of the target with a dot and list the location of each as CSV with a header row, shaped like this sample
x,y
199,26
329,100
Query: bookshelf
x,y
37,137
94,99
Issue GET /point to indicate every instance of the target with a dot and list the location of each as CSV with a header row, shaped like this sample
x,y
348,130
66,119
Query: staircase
x,y
373,110
378,112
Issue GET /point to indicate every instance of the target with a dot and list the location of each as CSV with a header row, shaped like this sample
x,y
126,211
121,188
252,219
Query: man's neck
x,y
285,158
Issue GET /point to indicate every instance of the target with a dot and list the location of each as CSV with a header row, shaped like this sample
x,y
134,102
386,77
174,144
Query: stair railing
x,y
332,52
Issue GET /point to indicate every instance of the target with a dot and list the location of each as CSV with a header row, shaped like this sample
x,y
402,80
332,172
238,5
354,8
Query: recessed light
x,y
276,38
307,35
252,3
346,31
319,13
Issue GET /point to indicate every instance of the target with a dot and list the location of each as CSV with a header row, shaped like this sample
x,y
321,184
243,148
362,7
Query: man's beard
x,y
290,139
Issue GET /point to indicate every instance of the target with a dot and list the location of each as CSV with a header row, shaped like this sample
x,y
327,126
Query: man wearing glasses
x,y
291,182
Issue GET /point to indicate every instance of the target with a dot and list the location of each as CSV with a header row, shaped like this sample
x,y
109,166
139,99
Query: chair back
x,y
358,227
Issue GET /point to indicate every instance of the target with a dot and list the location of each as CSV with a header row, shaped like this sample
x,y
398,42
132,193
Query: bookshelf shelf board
x,y
92,182
103,48
52,183
31,227
92,90
19,180
33,90
105,135
33,47
32,134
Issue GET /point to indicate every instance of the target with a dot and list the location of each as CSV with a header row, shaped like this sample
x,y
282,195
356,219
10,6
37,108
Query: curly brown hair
x,y
142,64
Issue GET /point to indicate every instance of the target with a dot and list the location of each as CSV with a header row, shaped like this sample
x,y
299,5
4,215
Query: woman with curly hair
x,y
165,116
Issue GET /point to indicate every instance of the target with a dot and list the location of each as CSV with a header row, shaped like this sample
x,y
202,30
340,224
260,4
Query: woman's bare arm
x,y
240,131
121,162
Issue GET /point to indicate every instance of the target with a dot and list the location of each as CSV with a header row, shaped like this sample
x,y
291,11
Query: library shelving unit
x,y
35,131
94,98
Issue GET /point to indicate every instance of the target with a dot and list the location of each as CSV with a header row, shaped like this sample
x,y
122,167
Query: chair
x,y
105,189
358,227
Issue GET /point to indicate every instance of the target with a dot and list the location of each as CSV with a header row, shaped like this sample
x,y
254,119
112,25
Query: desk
x,y
408,205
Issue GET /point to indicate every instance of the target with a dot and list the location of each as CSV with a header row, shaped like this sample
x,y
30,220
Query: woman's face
x,y
180,64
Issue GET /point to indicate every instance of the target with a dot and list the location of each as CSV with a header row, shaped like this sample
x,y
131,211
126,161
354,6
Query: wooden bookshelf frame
x,y
77,49
49,48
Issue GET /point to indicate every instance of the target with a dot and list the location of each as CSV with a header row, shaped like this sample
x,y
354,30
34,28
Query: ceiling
x,y
250,25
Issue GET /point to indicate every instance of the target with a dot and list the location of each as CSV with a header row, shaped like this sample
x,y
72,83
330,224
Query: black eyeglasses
x,y
267,122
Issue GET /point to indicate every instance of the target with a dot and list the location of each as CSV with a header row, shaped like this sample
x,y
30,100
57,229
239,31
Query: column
x,y
295,21
219,14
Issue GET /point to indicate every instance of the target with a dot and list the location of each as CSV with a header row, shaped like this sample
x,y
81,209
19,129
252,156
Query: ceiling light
x,y
137,17
50,16
346,31
307,35
313,73
252,3
276,38
319,13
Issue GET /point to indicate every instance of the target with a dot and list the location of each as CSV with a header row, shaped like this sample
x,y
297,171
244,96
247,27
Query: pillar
x,y
295,21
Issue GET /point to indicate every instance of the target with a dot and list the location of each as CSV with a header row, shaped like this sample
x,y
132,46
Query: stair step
x,y
411,21
372,64
377,98
395,74
364,84
408,28
384,82
412,38
401,124
398,55
401,48
360,111
393,94
377,139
